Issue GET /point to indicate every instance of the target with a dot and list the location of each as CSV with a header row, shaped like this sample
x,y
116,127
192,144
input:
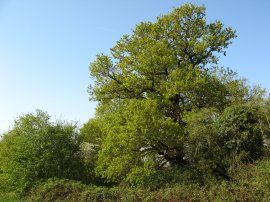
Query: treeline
x,y
171,125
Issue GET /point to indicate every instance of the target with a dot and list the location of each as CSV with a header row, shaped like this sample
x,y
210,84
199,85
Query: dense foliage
x,y
171,125
36,149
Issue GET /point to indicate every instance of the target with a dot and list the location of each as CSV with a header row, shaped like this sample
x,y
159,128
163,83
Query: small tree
x,y
37,149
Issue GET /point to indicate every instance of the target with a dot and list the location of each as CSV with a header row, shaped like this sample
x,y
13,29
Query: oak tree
x,y
151,79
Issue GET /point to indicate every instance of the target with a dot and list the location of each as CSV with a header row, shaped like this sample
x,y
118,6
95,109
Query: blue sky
x,y
47,45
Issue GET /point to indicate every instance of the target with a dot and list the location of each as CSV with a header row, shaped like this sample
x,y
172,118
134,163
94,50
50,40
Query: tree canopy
x,y
173,58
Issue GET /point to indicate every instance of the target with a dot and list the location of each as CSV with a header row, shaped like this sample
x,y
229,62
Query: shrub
x,y
58,189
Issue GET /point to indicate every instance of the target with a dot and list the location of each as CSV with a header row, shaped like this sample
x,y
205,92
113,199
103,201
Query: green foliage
x,y
201,145
132,153
218,141
99,194
149,82
92,132
240,137
37,149
164,58
55,189
91,137
249,183
11,197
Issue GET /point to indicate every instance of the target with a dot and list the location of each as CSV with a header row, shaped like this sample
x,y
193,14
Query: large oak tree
x,y
150,81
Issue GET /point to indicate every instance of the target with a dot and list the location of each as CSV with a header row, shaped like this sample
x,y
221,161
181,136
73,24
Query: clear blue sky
x,y
47,45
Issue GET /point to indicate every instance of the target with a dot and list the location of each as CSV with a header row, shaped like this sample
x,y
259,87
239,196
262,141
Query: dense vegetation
x,y
171,125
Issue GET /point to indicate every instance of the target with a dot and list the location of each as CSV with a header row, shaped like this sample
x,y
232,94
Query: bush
x,y
58,189
11,197
98,194
240,136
